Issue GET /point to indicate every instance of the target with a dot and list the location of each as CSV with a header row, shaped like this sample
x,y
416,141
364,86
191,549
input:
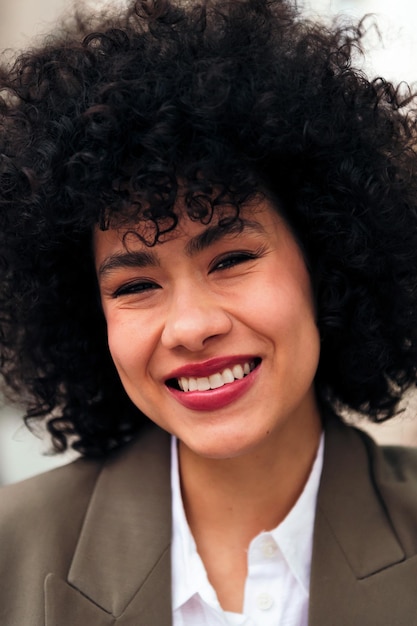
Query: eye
x,y
136,287
231,259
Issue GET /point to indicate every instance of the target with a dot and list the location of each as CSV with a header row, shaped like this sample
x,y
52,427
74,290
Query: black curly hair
x,y
102,123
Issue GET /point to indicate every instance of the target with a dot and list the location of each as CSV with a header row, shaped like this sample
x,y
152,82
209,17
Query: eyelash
x,y
134,288
223,263
233,258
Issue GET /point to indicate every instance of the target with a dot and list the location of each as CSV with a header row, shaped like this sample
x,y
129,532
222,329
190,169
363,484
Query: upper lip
x,y
211,366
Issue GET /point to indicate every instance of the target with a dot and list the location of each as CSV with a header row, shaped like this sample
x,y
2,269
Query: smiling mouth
x,y
214,381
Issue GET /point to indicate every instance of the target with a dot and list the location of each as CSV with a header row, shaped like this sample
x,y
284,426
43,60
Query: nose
x,y
194,317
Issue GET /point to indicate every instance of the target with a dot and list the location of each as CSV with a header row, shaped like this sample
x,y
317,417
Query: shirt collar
x,y
294,535
188,572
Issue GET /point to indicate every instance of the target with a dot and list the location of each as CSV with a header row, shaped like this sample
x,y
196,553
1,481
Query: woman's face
x,y
213,331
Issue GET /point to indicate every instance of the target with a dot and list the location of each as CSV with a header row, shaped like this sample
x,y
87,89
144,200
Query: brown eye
x,y
135,288
232,259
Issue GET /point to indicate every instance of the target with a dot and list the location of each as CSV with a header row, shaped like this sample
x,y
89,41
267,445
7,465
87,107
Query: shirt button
x,y
269,548
264,601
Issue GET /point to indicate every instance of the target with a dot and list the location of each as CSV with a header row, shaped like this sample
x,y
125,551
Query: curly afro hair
x,y
104,121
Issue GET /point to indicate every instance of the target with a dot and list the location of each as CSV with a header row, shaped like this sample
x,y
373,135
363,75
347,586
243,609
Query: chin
x,y
221,447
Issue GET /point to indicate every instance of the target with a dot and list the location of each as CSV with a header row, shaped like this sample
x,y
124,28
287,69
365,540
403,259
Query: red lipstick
x,y
214,399
211,366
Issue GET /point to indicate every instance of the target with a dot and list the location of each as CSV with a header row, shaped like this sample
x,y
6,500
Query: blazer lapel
x,y
358,565
66,606
120,573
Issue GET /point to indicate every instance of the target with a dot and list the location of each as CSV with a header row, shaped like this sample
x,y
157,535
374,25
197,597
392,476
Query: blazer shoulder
x,y
393,465
61,496
400,464
395,475
49,490
84,526
40,523
41,517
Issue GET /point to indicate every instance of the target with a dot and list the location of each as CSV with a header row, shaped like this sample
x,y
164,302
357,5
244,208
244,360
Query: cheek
x,y
303,332
120,350
281,308
128,343
297,291
280,301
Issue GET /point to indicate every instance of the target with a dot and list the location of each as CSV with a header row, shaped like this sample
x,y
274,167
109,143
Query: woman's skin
x,y
205,304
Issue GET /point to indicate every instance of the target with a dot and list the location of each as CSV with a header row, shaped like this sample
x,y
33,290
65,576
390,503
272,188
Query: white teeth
x,y
216,381
238,371
227,376
192,384
203,384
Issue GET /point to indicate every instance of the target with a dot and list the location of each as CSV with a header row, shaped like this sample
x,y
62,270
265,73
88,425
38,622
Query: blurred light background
x,y
394,57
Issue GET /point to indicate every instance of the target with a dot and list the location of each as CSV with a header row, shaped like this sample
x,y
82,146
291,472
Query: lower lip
x,y
215,399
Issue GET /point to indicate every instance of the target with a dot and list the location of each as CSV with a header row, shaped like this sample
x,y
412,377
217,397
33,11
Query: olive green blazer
x,y
89,543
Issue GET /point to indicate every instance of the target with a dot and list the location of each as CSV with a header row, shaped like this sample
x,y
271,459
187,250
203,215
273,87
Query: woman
x,y
209,224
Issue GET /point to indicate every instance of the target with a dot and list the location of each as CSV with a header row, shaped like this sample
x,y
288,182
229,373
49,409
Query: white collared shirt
x,y
279,562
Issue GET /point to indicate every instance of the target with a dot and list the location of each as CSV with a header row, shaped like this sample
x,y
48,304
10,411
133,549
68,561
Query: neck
x,y
249,493
230,501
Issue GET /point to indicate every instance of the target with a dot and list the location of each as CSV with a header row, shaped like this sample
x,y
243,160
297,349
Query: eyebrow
x,y
215,233
198,243
128,259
